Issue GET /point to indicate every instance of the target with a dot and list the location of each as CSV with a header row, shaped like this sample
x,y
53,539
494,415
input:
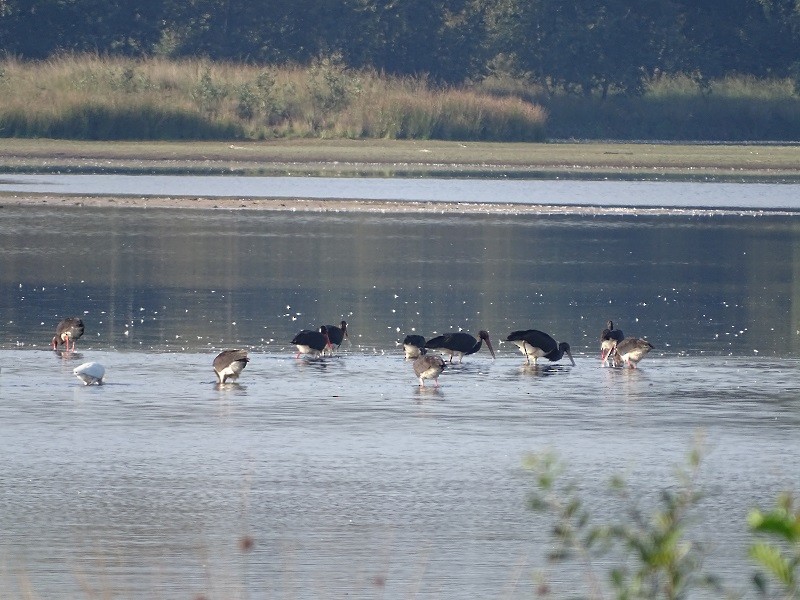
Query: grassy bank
x,y
406,157
86,97
92,98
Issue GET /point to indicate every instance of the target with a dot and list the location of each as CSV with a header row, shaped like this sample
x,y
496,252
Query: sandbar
x,y
338,205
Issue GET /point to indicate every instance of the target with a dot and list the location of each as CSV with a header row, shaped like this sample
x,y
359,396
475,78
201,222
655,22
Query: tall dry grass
x,y
93,97
88,97
409,109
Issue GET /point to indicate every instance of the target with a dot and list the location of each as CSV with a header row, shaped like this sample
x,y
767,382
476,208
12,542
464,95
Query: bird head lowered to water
x,y
609,338
336,335
460,343
538,344
90,372
69,329
228,364
631,350
484,335
311,342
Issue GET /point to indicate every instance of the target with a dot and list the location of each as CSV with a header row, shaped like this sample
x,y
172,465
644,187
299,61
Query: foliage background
x,y
620,69
583,45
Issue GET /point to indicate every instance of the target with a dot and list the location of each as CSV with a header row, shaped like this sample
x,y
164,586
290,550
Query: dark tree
x,y
585,45
38,28
443,39
270,31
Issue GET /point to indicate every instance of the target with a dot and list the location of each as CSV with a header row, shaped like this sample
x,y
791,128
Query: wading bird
x,y
90,372
310,342
336,336
631,351
460,344
228,364
537,344
428,367
69,329
609,337
414,346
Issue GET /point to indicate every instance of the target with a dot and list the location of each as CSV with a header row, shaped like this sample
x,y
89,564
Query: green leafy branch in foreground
x,y
657,559
781,558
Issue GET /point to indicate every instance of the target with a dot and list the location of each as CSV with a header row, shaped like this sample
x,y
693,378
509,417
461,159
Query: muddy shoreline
x,y
396,158
338,205
388,158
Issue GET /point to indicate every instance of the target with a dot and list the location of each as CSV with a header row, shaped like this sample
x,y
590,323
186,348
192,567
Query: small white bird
x,y
90,372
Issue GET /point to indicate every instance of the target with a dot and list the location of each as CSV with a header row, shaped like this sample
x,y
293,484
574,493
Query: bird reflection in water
x,y
317,364
536,370
428,392
68,355
230,386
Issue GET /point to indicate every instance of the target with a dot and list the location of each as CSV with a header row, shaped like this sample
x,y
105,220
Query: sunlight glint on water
x,y
348,478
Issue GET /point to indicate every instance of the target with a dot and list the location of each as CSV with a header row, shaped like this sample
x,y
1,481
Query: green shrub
x,y
780,557
646,555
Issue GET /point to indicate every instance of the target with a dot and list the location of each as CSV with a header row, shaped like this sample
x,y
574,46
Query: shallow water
x,y
758,196
352,480
183,280
348,478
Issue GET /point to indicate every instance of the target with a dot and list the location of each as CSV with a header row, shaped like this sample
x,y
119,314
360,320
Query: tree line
x,y
589,47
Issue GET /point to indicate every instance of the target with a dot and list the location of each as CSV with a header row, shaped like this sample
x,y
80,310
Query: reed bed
x,y
674,108
99,98
413,111
110,98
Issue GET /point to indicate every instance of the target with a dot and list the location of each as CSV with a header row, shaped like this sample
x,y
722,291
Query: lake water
x,y
651,194
346,477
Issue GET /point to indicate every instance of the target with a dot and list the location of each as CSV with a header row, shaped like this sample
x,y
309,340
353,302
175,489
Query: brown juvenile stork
x,y
69,329
229,364
460,344
428,367
631,351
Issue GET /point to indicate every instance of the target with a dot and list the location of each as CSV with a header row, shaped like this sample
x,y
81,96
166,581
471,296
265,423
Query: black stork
x,y
609,337
336,336
228,364
414,346
428,367
537,344
631,351
460,343
311,342
67,329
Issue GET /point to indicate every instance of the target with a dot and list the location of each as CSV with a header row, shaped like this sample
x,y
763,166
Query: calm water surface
x,y
349,479
570,193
